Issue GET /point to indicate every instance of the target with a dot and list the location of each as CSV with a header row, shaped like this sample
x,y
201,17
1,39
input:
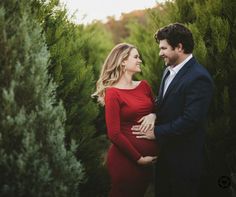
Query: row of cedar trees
x,y
53,135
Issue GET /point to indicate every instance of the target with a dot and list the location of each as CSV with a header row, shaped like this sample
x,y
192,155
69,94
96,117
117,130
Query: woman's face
x,y
133,63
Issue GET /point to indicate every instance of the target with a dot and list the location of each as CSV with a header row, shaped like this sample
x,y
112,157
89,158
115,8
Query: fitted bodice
x,y
124,107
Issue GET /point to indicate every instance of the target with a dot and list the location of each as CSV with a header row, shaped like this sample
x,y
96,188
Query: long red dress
x,y
123,108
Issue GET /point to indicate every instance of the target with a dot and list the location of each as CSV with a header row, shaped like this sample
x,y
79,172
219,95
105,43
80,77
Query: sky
x,y
89,10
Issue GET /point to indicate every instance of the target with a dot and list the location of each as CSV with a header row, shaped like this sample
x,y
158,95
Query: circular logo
x,y
224,182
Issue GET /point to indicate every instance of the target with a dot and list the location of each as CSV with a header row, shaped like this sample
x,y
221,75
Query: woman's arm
x,y
112,114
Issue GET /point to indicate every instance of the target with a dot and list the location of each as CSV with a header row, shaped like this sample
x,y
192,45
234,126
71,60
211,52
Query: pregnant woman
x,y
127,103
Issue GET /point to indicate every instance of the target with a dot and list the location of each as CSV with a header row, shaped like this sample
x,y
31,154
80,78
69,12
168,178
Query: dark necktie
x,y
163,83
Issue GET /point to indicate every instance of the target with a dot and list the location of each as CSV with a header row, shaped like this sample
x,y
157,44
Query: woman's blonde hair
x,y
112,69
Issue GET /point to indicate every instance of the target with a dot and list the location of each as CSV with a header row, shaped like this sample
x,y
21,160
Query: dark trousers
x,y
167,184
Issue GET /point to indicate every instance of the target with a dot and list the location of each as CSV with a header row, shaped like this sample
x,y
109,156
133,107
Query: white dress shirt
x,y
174,71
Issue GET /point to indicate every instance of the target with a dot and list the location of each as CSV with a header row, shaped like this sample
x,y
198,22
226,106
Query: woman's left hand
x,y
147,122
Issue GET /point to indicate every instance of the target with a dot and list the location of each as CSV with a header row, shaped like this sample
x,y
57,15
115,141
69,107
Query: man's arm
x,y
197,101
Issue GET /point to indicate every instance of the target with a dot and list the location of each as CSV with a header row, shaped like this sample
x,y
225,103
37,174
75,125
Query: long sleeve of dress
x,y
112,114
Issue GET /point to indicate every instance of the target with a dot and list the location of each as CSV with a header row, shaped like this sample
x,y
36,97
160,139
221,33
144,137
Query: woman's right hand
x,y
147,160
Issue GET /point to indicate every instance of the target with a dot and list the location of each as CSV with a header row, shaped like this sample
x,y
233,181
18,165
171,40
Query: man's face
x,y
169,54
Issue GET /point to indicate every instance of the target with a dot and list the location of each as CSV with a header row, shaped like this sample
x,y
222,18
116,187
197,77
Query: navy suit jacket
x,y
181,118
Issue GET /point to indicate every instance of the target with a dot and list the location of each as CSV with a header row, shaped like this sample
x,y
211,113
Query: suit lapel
x,y
160,93
182,72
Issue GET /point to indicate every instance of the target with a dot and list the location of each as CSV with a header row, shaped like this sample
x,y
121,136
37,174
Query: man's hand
x,y
147,122
140,134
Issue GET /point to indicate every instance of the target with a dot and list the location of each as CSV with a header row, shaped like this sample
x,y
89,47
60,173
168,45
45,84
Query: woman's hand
x,y
147,160
147,122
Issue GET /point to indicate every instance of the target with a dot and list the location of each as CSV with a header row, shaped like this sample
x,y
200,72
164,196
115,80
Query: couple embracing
x,y
167,133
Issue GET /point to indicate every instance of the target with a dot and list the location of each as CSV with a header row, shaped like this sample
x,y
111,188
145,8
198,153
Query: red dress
x,y
123,108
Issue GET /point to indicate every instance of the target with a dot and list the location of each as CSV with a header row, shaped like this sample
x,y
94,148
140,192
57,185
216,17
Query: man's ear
x,y
180,47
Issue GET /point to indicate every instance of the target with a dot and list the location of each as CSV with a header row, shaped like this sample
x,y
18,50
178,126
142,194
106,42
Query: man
x,y
183,101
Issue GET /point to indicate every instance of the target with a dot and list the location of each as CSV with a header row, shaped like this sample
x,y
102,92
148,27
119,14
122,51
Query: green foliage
x,y
76,54
97,44
220,35
200,49
33,157
142,36
32,118
185,12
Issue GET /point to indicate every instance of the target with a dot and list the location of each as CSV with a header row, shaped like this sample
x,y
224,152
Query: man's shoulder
x,y
197,69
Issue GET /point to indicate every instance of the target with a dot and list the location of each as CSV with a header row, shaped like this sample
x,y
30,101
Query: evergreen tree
x,y
33,157
76,54
142,36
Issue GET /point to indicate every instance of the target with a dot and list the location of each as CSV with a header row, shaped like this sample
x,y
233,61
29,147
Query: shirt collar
x,y
176,69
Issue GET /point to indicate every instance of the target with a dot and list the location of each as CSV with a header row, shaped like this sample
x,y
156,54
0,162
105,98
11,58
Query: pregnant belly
x,y
144,146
